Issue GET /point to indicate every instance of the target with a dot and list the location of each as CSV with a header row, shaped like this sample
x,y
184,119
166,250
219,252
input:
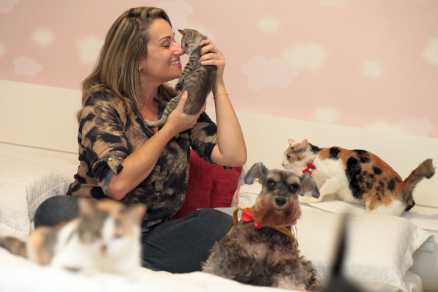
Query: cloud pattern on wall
x,y
326,115
372,69
26,66
266,73
89,49
305,57
43,37
411,126
2,50
6,6
333,3
269,24
430,53
295,53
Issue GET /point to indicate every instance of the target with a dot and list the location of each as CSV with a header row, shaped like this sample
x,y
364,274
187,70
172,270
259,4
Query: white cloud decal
x,y
26,66
179,13
89,49
267,73
6,6
430,52
412,126
372,70
2,50
268,24
333,3
306,57
43,37
326,115
277,73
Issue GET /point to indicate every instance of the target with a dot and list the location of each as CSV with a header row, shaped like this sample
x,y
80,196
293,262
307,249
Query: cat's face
x,y
297,154
191,39
108,226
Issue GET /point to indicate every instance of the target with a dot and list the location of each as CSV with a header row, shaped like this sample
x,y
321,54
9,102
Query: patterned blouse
x,y
110,128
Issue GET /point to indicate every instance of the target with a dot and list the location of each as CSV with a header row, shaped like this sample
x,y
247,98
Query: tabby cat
x,y
357,176
196,79
104,238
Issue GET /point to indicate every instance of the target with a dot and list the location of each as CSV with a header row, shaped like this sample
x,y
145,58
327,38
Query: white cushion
x,y
24,168
42,189
380,248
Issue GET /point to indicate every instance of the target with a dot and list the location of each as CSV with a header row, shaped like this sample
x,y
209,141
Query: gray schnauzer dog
x,y
260,249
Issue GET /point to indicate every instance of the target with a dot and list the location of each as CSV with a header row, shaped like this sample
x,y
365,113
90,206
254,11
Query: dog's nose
x,y
280,201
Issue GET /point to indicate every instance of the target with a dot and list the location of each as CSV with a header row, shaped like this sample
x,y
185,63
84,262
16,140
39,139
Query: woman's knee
x,y
55,210
215,220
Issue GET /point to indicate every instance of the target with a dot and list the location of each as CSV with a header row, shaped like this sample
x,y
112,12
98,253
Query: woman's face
x,y
162,63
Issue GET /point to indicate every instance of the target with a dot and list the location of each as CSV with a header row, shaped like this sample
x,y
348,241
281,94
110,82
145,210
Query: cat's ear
x,y
257,171
181,31
137,212
308,185
301,146
87,206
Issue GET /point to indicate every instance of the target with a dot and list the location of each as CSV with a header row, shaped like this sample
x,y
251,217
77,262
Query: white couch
x,y
38,137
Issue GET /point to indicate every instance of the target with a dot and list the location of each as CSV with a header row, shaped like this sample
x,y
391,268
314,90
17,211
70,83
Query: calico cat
x,y
196,79
105,237
357,176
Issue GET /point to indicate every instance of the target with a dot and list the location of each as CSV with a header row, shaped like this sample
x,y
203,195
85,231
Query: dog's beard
x,y
267,214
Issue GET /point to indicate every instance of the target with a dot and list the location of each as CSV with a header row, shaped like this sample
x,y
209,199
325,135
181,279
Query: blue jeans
x,y
177,246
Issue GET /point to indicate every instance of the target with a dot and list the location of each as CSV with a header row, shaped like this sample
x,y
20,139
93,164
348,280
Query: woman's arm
x,y
139,164
230,149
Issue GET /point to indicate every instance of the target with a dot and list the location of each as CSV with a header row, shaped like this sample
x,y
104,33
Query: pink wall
x,y
367,63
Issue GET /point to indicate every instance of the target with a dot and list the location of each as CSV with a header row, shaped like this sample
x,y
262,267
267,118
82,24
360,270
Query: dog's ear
x,y
308,184
257,171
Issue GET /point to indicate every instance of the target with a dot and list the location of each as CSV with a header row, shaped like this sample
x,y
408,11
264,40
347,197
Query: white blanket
x,y
19,275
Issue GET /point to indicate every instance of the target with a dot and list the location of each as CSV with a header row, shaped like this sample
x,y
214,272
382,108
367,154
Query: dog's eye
x,y
270,183
293,188
288,156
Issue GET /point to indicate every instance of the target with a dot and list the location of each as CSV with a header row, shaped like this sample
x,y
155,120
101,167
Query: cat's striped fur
x,y
196,79
357,176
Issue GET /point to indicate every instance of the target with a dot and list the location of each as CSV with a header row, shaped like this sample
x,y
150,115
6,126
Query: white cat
x,y
104,238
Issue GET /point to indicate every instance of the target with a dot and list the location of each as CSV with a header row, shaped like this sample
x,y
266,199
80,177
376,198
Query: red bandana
x,y
248,217
309,168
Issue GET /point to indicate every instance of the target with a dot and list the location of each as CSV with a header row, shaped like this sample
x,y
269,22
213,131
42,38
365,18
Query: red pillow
x,y
209,185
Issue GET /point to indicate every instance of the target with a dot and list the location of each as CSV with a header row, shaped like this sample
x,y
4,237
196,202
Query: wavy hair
x,y
125,44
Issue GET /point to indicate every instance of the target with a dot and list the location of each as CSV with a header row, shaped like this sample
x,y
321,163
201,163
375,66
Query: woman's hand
x,y
211,55
178,121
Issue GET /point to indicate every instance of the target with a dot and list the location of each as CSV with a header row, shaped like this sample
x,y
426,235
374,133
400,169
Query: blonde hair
x,y
125,43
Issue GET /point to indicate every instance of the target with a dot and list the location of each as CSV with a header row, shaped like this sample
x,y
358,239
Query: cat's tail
x,y
424,170
14,245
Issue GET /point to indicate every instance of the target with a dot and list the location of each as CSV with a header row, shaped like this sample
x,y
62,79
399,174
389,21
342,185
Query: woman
x,y
124,159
